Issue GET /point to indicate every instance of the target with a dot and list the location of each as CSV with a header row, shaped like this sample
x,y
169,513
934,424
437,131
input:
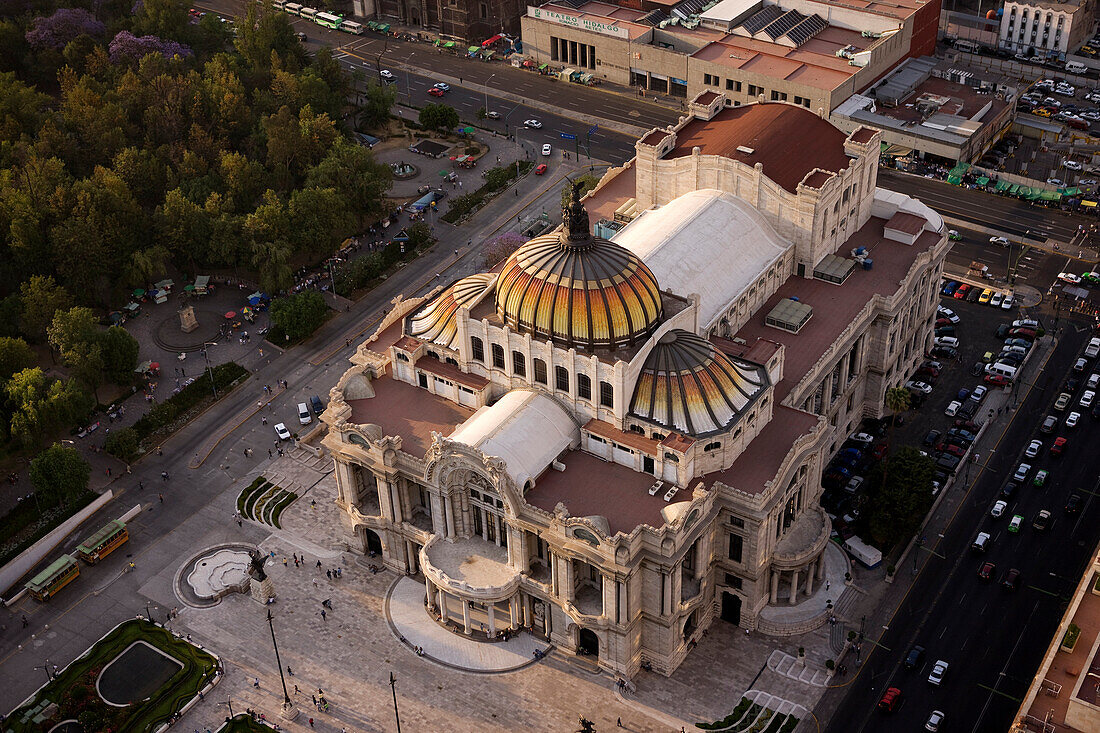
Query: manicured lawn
x,y
244,724
74,690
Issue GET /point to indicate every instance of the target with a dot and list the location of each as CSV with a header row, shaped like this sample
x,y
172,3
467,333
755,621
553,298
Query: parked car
x,y
547,149
1040,478
1062,401
948,314
996,380
1033,448
281,431
961,291
1073,504
952,408
1008,302
944,352
1022,471
935,720
998,509
921,387
1015,522
1049,423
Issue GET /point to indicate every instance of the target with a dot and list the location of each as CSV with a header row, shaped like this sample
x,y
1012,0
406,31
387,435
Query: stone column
x,y
553,560
775,587
528,611
667,594
610,596
385,498
466,617
492,620
496,529
821,566
570,586
794,587
448,509
413,556
485,519
702,557
442,604
428,589
810,580
514,611
677,587
398,510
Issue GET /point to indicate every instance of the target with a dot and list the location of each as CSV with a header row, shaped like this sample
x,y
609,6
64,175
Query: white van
x,y
969,46
303,414
1093,348
1076,67
1005,370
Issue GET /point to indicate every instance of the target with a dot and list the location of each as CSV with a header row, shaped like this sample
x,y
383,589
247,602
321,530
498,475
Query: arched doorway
x,y
731,608
588,643
373,541
690,624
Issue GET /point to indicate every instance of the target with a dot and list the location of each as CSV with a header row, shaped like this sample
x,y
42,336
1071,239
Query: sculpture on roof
x,y
575,217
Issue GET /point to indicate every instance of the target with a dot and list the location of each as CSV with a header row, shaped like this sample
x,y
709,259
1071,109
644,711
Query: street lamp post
x,y
393,688
46,666
209,371
487,92
287,705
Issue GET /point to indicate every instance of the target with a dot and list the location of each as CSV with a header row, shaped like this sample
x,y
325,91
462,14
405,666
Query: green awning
x,y
983,180
1002,185
473,49
1014,189
954,180
372,24
450,44
383,27
1050,196
960,169
542,67
1070,191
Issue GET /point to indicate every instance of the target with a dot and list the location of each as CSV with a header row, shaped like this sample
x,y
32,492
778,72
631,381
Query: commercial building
x,y
933,108
1064,695
1046,29
814,53
469,20
613,442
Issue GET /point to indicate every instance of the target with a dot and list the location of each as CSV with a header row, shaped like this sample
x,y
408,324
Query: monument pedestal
x,y
290,711
188,322
262,590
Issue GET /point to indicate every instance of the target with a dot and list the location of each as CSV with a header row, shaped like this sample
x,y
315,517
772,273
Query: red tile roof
x,y
631,440
654,137
706,97
410,412
450,371
835,307
771,130
907,223
407,343
863,135
590,486
760,462
678,443
817,179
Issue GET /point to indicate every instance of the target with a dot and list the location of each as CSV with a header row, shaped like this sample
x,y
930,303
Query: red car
x,y
960,294
951,448
940,322
997,380
985,572
540,170
879,451
435,92
968,425
931,372
1058,447
890,700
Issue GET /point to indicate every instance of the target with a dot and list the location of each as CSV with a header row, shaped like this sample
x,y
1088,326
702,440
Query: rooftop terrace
x,y
407,411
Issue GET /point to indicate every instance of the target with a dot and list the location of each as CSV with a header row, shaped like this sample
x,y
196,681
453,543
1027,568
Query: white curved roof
x,y
707,242
527,429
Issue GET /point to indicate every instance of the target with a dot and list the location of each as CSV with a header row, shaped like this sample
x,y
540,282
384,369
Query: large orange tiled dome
x,y
578,290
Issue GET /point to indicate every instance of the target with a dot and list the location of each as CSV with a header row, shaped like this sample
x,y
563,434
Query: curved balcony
x,y
472,569
804,541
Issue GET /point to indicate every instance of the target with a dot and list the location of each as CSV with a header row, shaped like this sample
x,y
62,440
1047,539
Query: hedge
x,y
23,525
74,689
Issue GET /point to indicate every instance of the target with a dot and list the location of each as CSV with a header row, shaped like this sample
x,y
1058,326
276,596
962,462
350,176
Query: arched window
x,y
607,394
498,356
540,371
637,429
715,445
671,458
519,364
477,349
584,386
561,378
401,357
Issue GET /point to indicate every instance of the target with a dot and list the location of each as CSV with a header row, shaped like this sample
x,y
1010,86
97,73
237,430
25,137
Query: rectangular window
x,y
584,386
540,371
755,90
607,394
519,364
561,379
737,547
732,85
779,96
733,581
498,356
477,349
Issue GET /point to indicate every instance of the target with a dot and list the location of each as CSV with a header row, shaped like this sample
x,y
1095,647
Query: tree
x,y
71,328
15,356
374,112
65,25
120,354
41,405
127,47
263,34
898,505
299,315
41,297
440,117
352,171
59,474
420,235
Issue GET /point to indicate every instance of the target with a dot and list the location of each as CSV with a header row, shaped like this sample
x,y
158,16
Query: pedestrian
x,y
26,623
295,562
141,486
315,583
263,419
240,522
826,584
618,722
164,475
269,453
108,470
314,699
324,616
261,352
328,574
318,564
159,451
311,722
284,562
161,498
256,682
291,674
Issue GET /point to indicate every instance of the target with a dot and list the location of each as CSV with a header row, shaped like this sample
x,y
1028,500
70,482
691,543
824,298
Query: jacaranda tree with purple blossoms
x,y
127,46
57,30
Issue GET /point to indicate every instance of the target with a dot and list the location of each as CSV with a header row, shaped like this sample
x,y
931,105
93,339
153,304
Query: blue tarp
x,y
425,201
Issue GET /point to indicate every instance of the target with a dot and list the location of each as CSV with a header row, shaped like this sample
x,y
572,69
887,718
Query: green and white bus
x,y
328,20
350,26
309,13
293,8
278,4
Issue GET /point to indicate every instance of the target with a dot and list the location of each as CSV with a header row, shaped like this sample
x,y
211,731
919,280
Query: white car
x,y
939,669
385,74
1006,304
1033,448
547,149
935,720
997,299
1055,181
533,124
947,341
1069,277
1021,472
281,431
1003,241
1087,398
922,387
998,508
1072,419
862,438
948,314
442,86
952,408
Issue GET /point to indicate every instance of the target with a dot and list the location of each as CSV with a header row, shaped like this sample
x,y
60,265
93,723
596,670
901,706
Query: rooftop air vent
x,y
789,315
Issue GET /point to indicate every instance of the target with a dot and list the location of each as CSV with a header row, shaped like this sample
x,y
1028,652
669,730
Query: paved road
x,y
992,637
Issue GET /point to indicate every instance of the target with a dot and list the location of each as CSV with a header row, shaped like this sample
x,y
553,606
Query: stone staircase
x,y
797,669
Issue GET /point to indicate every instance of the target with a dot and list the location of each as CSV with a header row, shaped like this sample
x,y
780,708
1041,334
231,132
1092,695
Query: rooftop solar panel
x,y
807,29
756,22
783,23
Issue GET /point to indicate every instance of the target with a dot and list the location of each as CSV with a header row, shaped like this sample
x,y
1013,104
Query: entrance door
x,y
647,464
588,643
731,608
422,378
374,542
